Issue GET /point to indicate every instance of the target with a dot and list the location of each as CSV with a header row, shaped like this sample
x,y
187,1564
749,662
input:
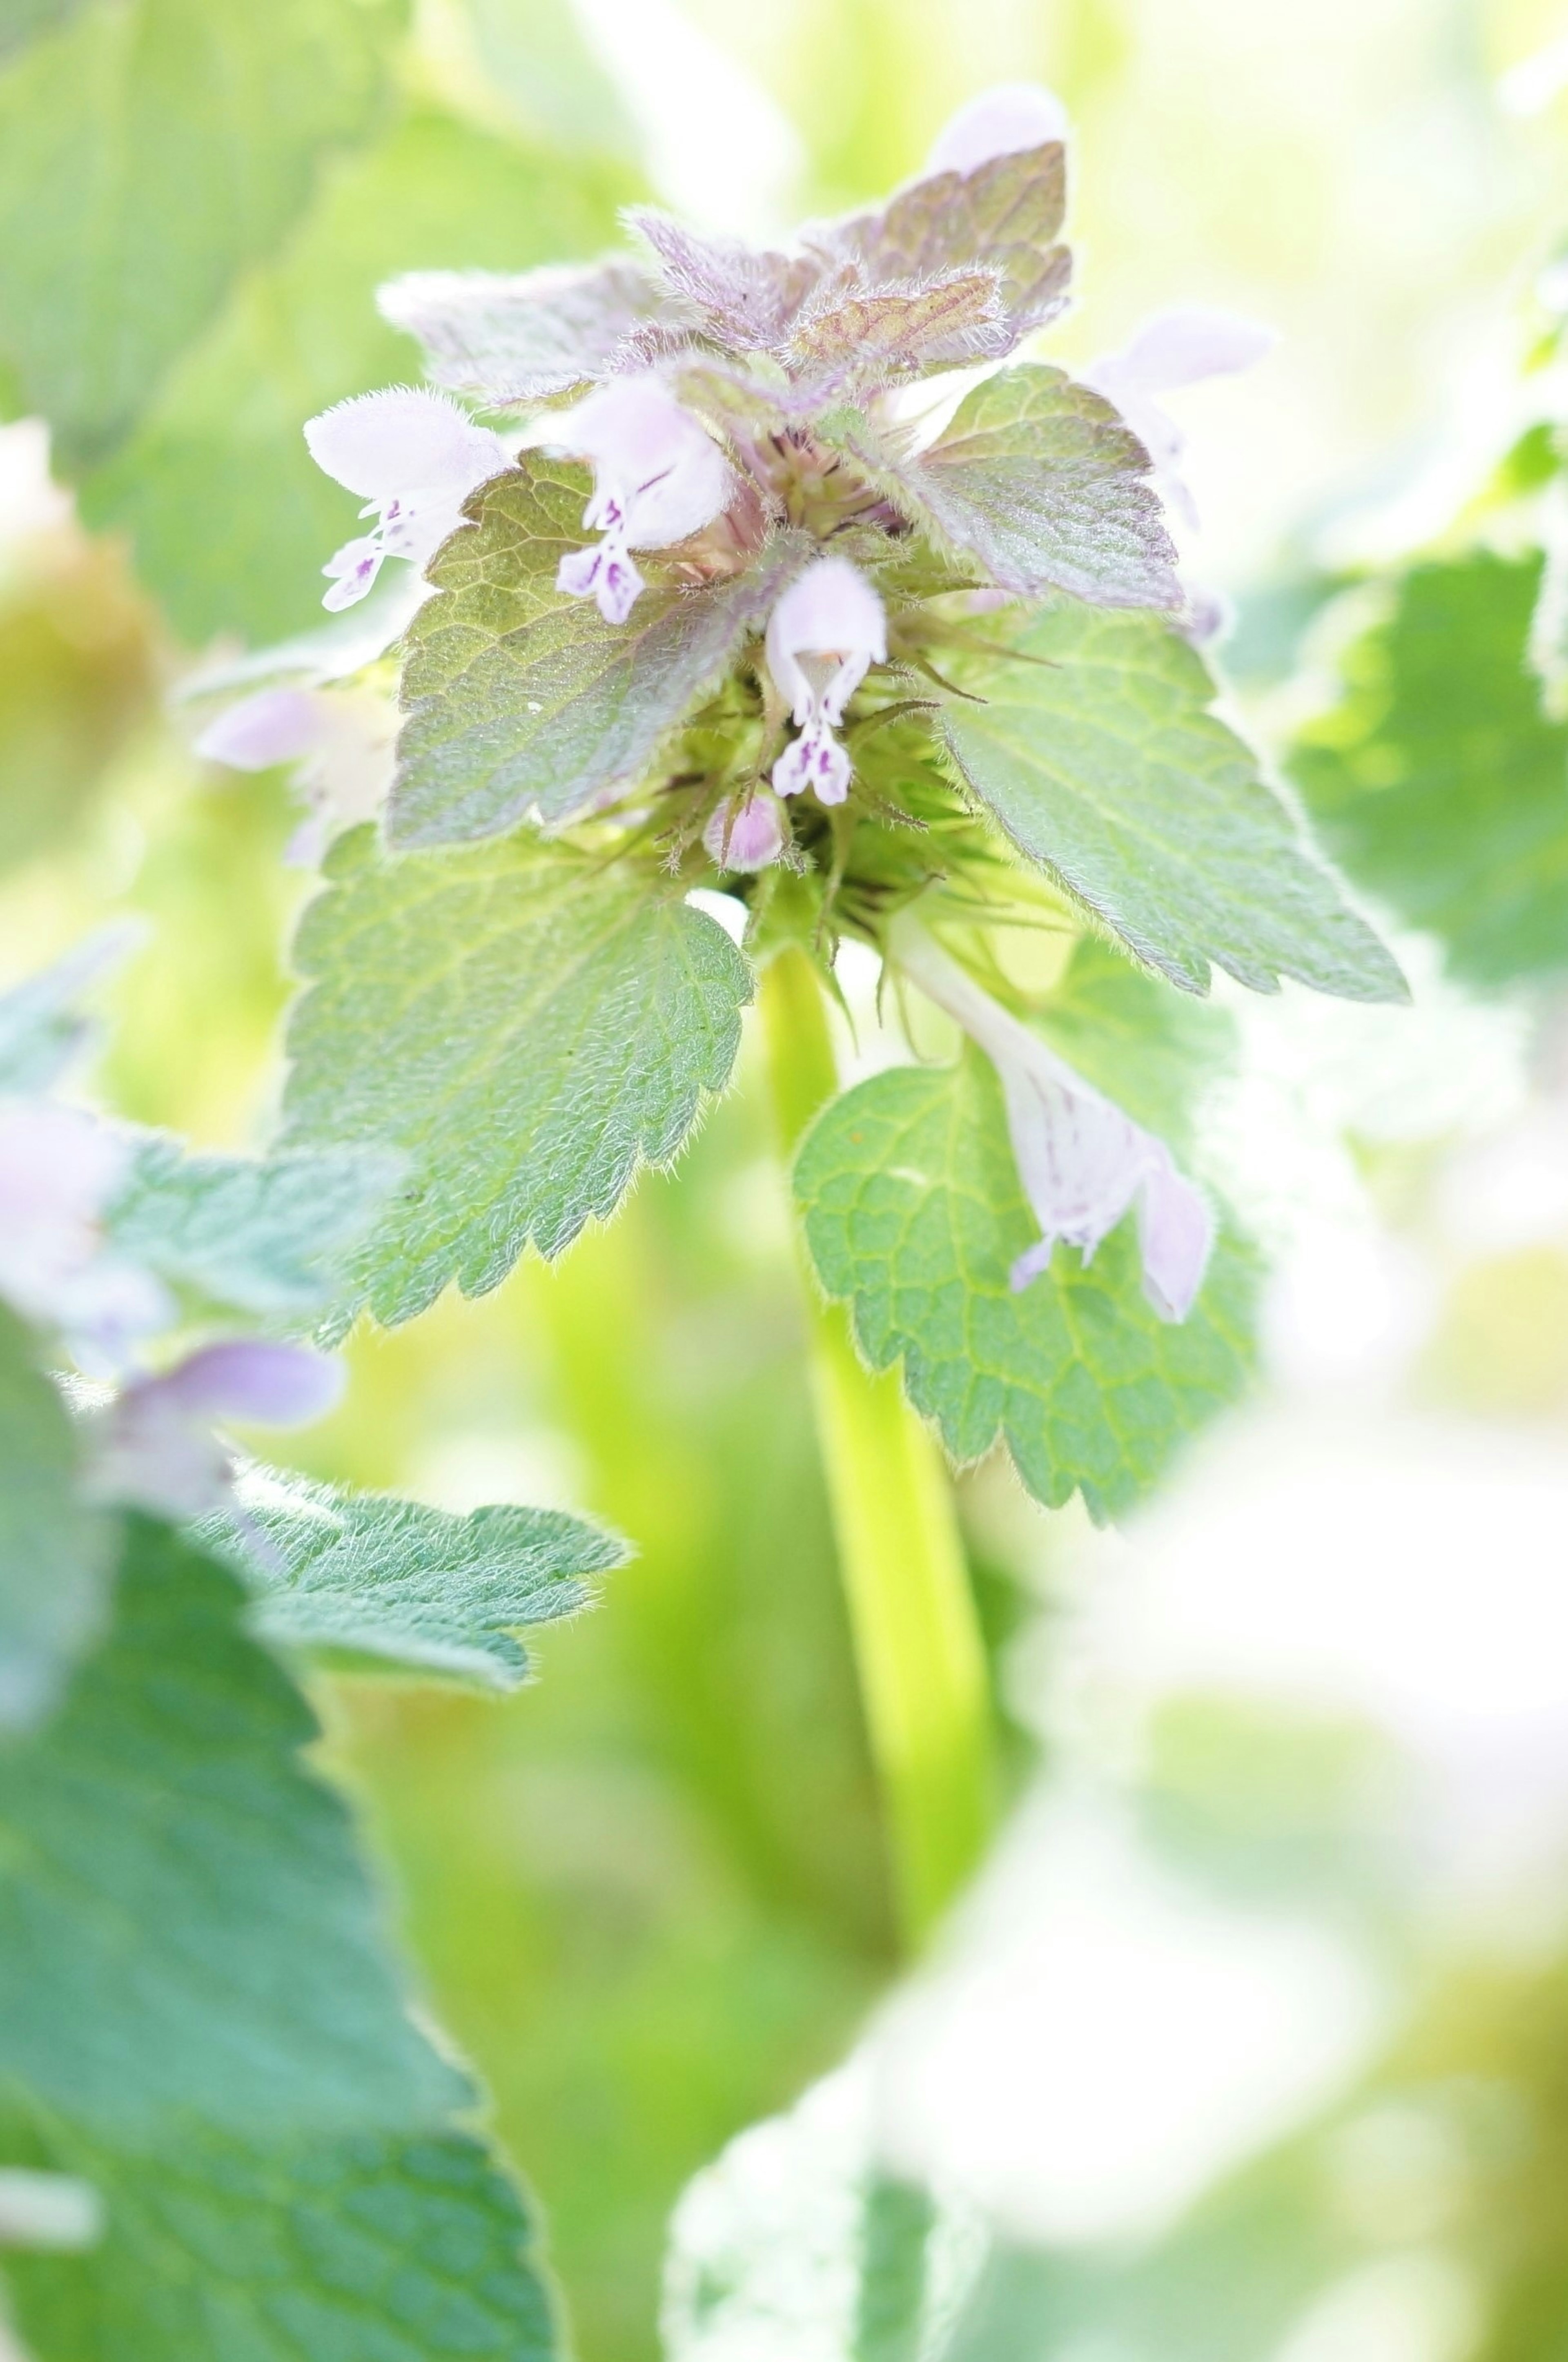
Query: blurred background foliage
x,y
648,1896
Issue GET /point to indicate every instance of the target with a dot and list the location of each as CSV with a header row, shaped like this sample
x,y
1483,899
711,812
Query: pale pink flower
x,y
746,833
657,476
1082,1161
154,1444
414,457
824,633
59,1169
1171,351
1004,121
342,740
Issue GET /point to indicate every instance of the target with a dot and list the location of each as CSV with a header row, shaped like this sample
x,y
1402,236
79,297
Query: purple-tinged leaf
x,y
510,340
846,341
747,298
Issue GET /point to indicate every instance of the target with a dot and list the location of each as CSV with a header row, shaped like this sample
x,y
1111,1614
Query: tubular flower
x,y
824,633
59,1169
1081,1160
341,739
746,833
414,457
657,476
1174,349
155,1447
1015,117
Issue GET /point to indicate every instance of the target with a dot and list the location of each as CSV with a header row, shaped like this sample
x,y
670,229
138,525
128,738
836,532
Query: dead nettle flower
x,y
59,1171
1006,120
1082,1161
825,632
746,832
657,476
1171,351
341,739
154,1446
414,457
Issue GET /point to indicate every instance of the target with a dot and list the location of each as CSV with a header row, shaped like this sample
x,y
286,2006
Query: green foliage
x,y
522,699
914,1214
148,151
199,2018
1040,479
1150,1050
267,1236
525,1024
1098,751
1008,215
42,1031
409,1585
1438,781
55,1552
230,518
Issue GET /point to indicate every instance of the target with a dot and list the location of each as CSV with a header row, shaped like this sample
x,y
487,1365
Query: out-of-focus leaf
x,y
537,60
417,1587
263,1235
22,21
148,151
510,337
1152,1050
42,1030
55,1552
220,1964
525,1024
521,699
230,518
1041,481
1097,750
915,1216
1438,781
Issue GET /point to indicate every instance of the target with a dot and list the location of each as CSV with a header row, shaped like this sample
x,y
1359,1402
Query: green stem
x,y
917,1642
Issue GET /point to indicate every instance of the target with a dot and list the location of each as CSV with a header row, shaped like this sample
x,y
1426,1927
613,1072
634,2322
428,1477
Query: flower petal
x,y
830,610
1176,348
1176,1233
275,725
1004,121
403,440
745,834
656,463
247,1378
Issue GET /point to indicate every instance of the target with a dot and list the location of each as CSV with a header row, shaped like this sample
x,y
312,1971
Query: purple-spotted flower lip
x,y
824,636
658,476
412,456
1082,1161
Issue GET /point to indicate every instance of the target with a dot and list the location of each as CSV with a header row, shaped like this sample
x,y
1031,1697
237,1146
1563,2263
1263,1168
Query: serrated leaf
x,y
55,1551
393,1578
230,519
525,1024
844,341
264,1235
1438,781
914,1216
1097,750
374,2250
148,151
1039,478
521,699
747,298
1006,214
508,337
186,1936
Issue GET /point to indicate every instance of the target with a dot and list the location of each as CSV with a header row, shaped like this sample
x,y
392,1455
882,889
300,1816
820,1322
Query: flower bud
x,y
746,833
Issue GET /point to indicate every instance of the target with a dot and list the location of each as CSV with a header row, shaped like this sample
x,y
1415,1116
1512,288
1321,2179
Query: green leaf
x,y
230,518
1098,751
390,1578
374,2250
521,699
149,152
1152,1050
22,21
264,1235
186,1936
914,1214
42,1030
1438,781
55,1552
526,1025
1040,479
510,337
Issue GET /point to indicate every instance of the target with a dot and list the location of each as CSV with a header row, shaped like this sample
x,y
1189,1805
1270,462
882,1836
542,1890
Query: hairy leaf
x,y
230,518
55,1552
521,699
747,298
847,341
525,1024
263,1235
148,153
519,337
1097,749
1436,780
1041,481
914,1214
391,1579
377,2249
1006,214
186,1936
